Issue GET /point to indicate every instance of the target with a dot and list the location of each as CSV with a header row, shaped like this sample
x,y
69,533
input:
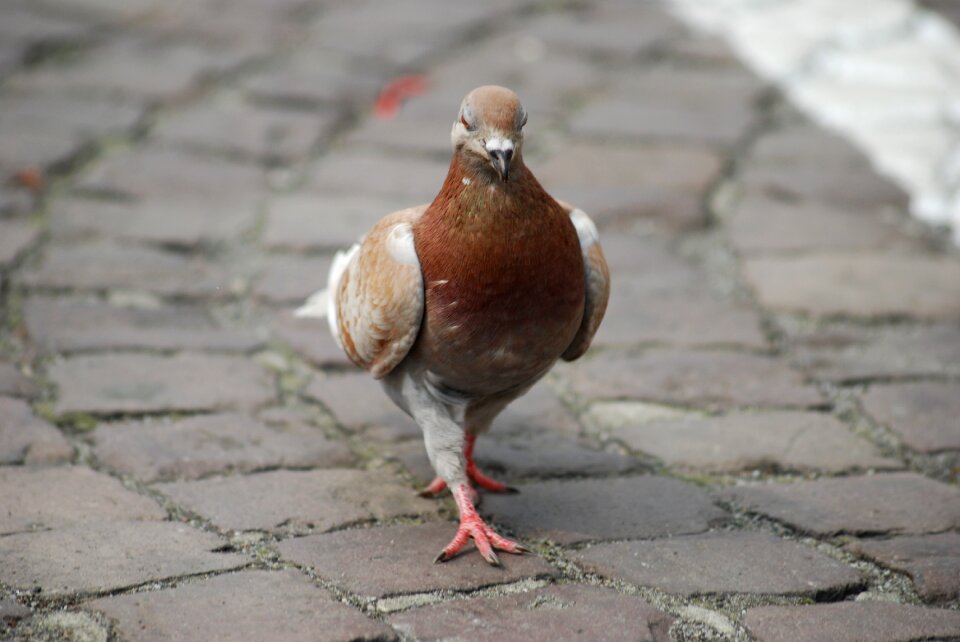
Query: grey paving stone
x,y
135,383
608,31
804,144
932,561
297,501
105,266
109,555
860,286
158,449
229,126
308,78
888,503
411,180
42,498
291,279
172,219
27,439
772,441
310,339
393,560
923,413
611,182
850,622
542,615
597,509
760,224
850,186
314,221
722,562
16,239
15,384
359,403
407,132
702,49
249,605
707,379
74,324
11,611
845,352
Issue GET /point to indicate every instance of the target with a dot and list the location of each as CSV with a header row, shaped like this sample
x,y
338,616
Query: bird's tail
x,y
323,303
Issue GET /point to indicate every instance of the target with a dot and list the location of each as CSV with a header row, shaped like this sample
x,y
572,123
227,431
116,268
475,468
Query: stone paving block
x,y
359,403
597,509
69,324
805,144
104,266
405,133
540,410
861,286
290,279
771,441
136,383
308,78
308,338
723,562
923,413
16,239
760,224
708,379
854,187
313,221
409,180
15,384
152,171
158,449
845,352
556,612
392,560
11,611
27,439
614,33
171,219
851,622
285,501
109,555
230,126
887,503
41,498
249,605
932,561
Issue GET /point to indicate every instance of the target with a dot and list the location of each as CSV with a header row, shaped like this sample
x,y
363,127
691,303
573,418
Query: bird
x,y
461,305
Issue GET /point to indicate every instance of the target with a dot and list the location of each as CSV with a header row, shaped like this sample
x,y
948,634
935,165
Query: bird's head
x,y
488,133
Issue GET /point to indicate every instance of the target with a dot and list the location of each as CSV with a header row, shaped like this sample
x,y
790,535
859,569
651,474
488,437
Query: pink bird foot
x,y
472,526
474,474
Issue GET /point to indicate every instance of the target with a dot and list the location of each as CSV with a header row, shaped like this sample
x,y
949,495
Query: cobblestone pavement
x,y
763,443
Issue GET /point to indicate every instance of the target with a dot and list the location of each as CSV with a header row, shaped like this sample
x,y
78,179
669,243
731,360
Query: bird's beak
x,y
500,159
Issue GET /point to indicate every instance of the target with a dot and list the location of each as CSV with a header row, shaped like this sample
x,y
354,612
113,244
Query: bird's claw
x,y
473,527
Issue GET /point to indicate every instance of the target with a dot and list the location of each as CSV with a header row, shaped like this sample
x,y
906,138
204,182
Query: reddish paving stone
x,y
380,562
15,384
291,279
69,324
16,238
564,612
692,377
312,222
359,403
858,285
888,503
923,413
309,339
411,180
932,561
172,219
846,353
27,439
199,446
132,383
249,605
109,555
851,622
595,509
40,498
286,500
104,266
777,441
722,562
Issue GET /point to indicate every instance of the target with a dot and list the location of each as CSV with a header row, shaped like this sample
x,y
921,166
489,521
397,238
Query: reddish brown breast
x,y
504,280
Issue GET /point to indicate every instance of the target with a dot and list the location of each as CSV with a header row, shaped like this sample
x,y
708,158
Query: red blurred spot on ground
x,y
395,92
30,178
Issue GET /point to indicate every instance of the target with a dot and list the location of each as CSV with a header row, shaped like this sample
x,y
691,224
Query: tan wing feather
x,y
380,295
597,283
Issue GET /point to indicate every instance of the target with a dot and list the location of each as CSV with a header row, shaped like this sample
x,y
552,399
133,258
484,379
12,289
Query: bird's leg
x,y
474,474
472,526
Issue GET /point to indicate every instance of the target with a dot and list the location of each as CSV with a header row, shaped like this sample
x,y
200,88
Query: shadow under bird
x,y
458,307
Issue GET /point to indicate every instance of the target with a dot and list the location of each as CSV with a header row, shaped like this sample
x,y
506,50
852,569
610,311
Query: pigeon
x,y
461,305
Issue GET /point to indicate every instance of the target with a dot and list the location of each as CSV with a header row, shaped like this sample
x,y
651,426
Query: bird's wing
x,y
597,282
377,301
